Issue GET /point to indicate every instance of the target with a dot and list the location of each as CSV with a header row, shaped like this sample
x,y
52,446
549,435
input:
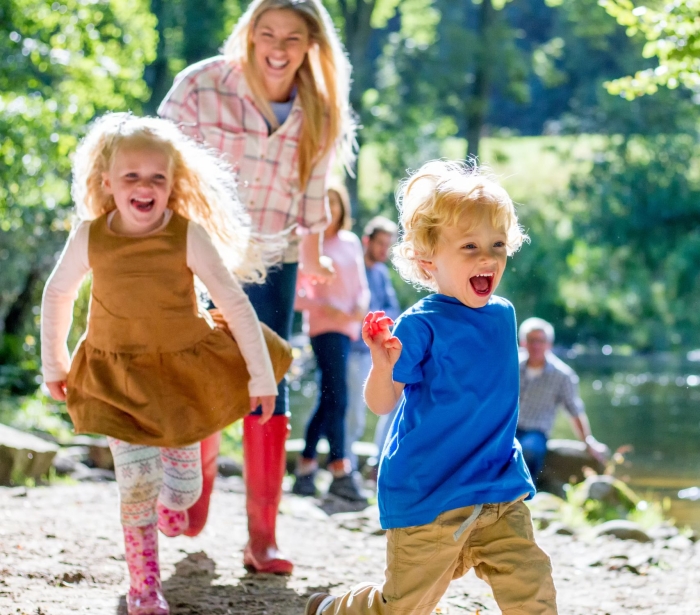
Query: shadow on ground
x,y
191,591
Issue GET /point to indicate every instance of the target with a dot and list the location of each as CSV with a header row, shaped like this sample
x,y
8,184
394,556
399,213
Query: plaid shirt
x,y
212,102
541,395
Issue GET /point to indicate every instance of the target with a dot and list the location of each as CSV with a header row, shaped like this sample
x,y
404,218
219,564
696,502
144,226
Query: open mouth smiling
x,y
144,205
277,64
482,284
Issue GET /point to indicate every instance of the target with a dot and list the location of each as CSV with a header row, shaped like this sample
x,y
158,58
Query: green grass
x,y
532,169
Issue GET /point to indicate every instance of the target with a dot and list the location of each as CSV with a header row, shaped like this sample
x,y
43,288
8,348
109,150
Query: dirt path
x,y
61,553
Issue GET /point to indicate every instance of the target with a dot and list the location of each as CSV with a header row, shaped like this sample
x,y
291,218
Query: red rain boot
x,y
145,595
264,460
200,510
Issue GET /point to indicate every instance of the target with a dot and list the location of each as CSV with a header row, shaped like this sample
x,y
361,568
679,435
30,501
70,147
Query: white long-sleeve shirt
x,y
203,260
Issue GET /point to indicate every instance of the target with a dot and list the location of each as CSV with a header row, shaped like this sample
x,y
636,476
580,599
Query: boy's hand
x,y
268,406
376,333
57,389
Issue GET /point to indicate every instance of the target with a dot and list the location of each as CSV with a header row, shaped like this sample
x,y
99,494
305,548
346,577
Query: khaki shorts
x,y
495,539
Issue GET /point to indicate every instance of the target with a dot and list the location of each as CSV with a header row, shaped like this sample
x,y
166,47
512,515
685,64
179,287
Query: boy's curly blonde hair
x,y
442,194
203,188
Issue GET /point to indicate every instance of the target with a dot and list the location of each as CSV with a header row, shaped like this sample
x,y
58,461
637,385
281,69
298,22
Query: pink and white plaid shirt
x,y
212,103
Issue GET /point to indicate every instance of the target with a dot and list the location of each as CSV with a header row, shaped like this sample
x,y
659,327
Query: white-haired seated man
x,y
546,383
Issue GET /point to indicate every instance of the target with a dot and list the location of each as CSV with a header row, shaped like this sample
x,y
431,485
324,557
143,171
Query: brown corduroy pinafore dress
x,y
152,368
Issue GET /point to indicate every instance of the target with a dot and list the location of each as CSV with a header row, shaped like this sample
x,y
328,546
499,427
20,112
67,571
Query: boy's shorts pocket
x,y
417,544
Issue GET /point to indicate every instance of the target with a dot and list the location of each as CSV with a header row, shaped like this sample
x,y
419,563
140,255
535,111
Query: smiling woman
x,y
275,104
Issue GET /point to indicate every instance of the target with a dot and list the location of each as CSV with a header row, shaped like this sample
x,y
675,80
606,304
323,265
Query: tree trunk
x,y
477,106
202,29
357,34
156,74
21,308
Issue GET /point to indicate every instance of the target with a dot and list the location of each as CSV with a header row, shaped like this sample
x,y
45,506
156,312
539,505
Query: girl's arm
x,y
204,261
381,392
60,293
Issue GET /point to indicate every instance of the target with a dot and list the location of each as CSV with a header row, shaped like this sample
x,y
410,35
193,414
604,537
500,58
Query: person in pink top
x,y
333,316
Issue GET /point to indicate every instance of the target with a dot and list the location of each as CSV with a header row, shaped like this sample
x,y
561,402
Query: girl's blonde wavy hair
x,y
323,82
443,194
203,187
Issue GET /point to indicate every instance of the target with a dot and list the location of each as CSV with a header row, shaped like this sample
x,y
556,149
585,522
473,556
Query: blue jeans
x,y
534,445
359,364
328,419
274,304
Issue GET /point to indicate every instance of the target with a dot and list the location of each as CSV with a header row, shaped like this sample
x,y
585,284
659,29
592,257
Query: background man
x,y
378,236
545,383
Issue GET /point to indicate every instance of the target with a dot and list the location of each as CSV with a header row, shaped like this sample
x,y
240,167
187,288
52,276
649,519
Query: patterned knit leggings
x,y
148,474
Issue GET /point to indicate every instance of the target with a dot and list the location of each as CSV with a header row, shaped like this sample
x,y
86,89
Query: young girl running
x,y
152,372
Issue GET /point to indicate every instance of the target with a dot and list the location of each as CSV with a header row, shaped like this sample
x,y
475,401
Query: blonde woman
x,y
154,210
275,104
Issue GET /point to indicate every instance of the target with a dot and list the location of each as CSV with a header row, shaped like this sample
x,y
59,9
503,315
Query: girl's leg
x,y
139,474
182,486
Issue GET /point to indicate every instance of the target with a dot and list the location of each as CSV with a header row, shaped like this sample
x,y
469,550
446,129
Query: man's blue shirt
x,y
452,443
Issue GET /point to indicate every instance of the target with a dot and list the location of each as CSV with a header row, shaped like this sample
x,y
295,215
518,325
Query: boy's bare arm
x,y
381,392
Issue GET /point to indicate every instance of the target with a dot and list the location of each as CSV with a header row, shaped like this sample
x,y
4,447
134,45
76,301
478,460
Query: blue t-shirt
x,y
452,442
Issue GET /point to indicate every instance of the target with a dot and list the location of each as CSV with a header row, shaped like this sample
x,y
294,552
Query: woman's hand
x,y
320,271
384,347
57,389
268,406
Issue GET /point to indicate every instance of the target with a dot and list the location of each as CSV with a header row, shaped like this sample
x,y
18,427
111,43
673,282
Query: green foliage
x,y
631,266
672,32
63,63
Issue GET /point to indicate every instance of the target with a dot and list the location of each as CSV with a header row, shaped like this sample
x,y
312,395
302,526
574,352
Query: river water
x,y
650,404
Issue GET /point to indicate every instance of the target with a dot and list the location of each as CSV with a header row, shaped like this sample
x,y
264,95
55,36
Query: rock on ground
x,y
61,553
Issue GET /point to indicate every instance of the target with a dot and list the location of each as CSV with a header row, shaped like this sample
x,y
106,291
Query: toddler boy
x,y
452,478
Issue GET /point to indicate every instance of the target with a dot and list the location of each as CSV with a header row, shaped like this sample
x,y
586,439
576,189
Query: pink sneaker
x,y
172,522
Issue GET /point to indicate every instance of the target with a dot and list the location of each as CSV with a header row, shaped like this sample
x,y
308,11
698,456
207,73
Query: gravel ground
x,y
61,553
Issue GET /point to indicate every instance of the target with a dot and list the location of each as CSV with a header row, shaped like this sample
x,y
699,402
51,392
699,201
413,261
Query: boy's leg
x,y
421,562
503,552
182,486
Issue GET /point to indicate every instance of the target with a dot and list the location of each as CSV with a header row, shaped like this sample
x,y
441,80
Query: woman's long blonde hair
x,y
203,187
323,82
